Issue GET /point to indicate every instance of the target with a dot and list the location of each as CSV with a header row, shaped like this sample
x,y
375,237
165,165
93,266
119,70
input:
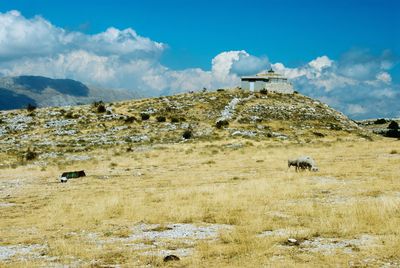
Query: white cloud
x,y
356,84
21,37
384,77
356,109
321,63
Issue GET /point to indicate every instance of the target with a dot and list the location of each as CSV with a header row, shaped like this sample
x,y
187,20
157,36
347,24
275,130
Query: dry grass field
x,y
221,203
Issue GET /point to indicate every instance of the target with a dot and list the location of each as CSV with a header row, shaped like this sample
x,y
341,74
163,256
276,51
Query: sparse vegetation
x,y
187,134
161,119
69,115
175,120
145,116
30,155
100,107
380,121
221,124
130,119
393,125
392,133
30,107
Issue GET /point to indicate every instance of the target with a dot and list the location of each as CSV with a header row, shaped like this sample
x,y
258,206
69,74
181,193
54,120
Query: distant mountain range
x,y
17,92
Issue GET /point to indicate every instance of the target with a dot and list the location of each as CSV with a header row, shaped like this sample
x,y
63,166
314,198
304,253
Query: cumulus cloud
x,y
21,37
113,58
358,83
384,77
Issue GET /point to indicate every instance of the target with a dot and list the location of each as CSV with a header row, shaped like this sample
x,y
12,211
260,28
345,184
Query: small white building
x,y
270,81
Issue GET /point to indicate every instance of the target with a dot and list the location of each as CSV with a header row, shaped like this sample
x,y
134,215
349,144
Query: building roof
x,y
264,76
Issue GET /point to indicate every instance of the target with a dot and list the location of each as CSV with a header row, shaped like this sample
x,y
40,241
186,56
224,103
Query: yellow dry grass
x,y
355,193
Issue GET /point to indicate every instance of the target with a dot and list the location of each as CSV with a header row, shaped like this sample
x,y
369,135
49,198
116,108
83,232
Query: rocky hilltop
x,y
225,115
20,91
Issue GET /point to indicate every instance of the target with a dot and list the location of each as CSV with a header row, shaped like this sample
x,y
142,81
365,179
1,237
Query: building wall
x,y
245,85
279,87
286,88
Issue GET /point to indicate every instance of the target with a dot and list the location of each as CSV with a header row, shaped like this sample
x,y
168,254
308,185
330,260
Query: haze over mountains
x,y
19,91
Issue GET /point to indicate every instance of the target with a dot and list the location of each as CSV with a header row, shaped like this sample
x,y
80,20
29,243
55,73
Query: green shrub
x,y
161,118
100,107
221,123
392,133
69,115
187,134
380,121
130,119
30,155
30,107
393,125
174,120
145,116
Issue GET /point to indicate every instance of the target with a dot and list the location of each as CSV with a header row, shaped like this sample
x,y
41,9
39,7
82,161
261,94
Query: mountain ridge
x,y
19,91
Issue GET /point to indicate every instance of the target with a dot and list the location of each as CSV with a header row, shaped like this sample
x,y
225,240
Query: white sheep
x,y
303,162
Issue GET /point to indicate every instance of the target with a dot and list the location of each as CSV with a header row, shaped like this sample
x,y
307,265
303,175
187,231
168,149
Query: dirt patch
x,y
330,245
284,233
161,240
22,252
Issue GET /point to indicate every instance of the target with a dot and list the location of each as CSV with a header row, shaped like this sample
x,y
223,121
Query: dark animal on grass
x,y
171,258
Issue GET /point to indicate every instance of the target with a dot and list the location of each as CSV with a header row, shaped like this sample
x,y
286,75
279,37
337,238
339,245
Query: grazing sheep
x,y
302,163
292,162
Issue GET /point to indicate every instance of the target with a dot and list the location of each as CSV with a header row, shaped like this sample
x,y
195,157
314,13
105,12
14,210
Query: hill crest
x,y
279,118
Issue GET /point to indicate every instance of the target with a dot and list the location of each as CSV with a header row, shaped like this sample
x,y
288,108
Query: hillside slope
x,y
274,117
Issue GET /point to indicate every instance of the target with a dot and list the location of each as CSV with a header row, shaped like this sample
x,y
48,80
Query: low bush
x,y
380,121
174,120
69,115
161,119
30,107
100,107
187,134
145,116
393,125
392,133
221,123
30,155
130,119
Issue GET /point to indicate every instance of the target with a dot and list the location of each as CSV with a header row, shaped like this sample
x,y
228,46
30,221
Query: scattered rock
x,y
293,241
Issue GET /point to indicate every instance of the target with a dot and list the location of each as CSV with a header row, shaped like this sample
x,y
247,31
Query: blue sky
x,y
193,33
